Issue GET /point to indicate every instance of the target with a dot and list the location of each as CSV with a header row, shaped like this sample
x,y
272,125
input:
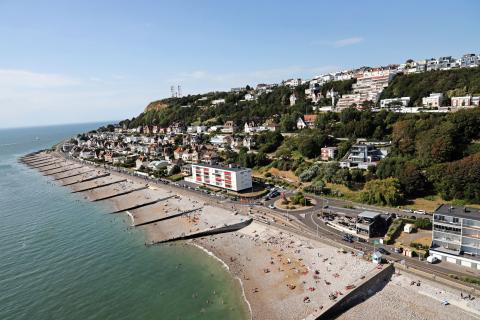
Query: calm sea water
x,y
62,257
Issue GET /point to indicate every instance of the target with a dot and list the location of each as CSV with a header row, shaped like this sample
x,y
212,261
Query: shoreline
x,y
274,267
226,266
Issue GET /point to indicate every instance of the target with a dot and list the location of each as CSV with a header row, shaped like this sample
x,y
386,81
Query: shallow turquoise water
x,y
64,258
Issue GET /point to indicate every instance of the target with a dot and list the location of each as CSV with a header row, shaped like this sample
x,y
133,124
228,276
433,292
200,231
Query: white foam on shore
x,y
228,268
131,217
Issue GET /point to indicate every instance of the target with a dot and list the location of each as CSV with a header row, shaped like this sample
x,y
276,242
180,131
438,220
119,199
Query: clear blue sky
x,y
78,61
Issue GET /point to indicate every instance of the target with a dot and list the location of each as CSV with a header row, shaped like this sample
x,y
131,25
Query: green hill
x,y
451,83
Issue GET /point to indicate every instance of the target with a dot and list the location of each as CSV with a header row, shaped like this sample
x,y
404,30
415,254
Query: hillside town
x,y
238,160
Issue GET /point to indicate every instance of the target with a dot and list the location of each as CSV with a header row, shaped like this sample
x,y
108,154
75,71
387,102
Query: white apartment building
x,y
456,235
470,60
231,178
218,101
402,102
466,101
293,82
370,84
433,101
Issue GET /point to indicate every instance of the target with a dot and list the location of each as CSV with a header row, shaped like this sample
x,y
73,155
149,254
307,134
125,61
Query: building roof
x,y
310,117
369,214
458,211
214,166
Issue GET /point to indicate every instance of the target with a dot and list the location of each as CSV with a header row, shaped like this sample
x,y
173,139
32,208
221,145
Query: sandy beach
x,y
283,275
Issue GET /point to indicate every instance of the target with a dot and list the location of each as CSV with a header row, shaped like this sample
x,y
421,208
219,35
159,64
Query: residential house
x,y
328,153
470,60
220,140
292,82
218,101
301,124
229,127
293,99
249,97
433,101
402,102
248,142
466,101
309,120
178,152
141,161
362,156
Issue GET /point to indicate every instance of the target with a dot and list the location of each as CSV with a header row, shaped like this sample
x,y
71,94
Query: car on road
x,y
347,238
383,251
271,206
398,250
419,212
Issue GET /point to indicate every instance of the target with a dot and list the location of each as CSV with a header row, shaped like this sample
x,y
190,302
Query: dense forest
x,y
458,82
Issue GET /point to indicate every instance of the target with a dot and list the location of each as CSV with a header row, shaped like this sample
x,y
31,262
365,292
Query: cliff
x,y
156,105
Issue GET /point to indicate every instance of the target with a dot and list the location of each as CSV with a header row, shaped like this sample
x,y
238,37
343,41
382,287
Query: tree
x,y
382,192
288,122
268,141
174,170
458,179
412,180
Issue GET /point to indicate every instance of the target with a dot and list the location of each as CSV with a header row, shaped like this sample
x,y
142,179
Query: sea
x,y
62,257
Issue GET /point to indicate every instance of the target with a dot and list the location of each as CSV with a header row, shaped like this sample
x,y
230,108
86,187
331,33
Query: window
x,y
455,220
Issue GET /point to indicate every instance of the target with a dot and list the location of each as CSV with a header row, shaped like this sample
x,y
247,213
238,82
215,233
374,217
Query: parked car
x,y
419,212
383,251
348,238
398,250
432,259
271,206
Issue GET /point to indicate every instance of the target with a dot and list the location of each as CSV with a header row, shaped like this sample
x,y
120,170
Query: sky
x,y
84,60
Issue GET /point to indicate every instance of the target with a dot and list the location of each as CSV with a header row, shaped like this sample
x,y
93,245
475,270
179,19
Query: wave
x,y
8,144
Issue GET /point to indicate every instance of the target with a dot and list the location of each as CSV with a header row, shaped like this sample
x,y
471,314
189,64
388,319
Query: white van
x,y
432,259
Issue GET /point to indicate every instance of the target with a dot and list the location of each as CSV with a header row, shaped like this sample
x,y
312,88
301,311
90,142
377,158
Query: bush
x,y
423,223
383,192
310,173
299,199
419,246
393,231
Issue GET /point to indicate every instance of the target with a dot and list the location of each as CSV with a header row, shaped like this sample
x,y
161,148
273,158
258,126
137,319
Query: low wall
x,y
210,232
368,287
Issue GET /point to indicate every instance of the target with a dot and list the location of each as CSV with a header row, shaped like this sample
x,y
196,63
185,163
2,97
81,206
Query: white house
x,y
466,101
218,101
433,101
249,97
398,102
219,139
293,99
292,82
301,124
